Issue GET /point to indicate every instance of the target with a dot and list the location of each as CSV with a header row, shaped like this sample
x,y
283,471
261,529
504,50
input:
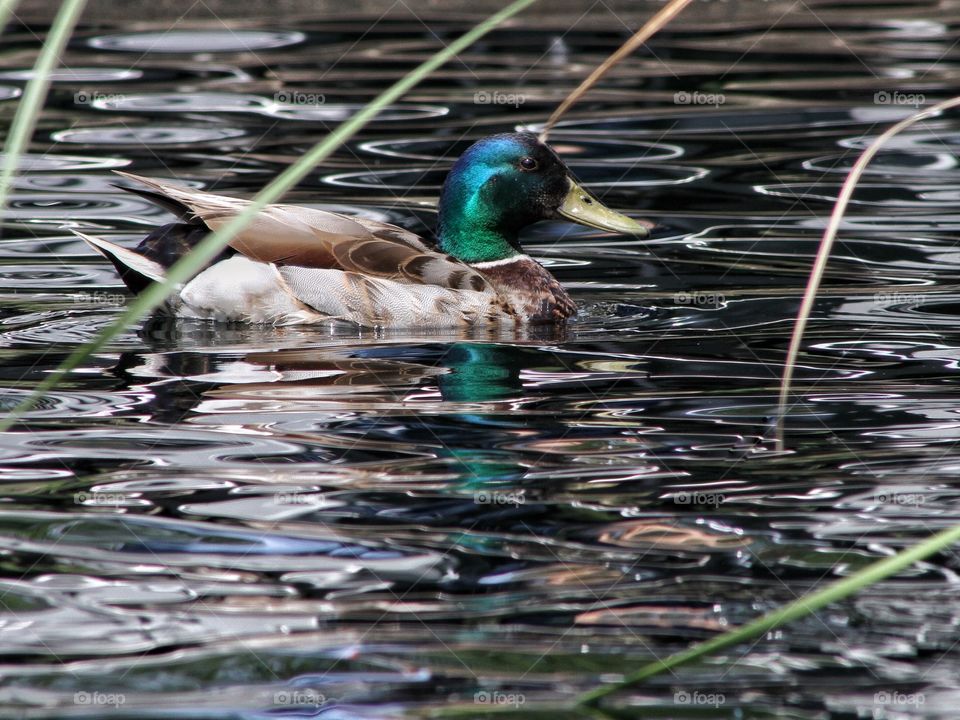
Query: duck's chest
x,y
528,288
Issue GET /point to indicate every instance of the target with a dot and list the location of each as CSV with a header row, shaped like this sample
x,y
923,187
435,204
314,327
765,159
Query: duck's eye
x,y
529,164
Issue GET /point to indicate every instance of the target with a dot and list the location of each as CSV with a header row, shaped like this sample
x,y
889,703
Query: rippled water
x,y
220,521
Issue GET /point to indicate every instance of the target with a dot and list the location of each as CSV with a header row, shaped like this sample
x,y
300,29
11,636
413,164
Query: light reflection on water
x,y
234,521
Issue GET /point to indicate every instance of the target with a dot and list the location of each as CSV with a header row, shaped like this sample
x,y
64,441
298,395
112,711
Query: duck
x,y
295,265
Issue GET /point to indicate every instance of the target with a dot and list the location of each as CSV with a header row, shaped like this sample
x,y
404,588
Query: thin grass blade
x,y
806,605
810,603
654,24
31,103
826,245
210,246
6,10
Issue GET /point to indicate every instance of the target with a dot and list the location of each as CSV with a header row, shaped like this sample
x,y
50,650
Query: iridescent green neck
x,y
476,224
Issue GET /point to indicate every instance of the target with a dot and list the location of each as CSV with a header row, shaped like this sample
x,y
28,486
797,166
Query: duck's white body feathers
x,y
297,265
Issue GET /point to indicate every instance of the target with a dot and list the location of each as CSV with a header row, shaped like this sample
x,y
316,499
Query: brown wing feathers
x,y
291,235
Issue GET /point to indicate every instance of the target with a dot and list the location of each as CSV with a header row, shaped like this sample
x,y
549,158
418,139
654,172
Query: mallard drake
x,y
295,265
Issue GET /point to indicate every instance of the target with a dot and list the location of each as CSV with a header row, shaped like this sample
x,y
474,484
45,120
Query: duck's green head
x,y
505,182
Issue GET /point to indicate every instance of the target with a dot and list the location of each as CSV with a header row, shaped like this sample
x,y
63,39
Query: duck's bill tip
x,y
583,208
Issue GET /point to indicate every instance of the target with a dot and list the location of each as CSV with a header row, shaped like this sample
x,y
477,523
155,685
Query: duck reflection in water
x,y
312,391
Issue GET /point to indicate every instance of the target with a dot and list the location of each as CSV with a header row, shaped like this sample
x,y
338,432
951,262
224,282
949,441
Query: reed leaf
x,y
811,602
826,245
6,10
31,102
669,11
804,606
210,246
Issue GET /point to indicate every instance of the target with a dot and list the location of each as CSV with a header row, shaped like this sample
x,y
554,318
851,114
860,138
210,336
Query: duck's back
x,y
295,265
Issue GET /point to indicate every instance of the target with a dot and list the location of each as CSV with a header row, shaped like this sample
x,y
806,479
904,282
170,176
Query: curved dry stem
x,y
826,245
670,11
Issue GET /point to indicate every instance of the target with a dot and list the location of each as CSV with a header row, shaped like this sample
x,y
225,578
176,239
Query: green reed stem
x,y
210,246
31,103
6,10
806,605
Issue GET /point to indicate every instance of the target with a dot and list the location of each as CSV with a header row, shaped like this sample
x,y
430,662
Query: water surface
x,y
220,521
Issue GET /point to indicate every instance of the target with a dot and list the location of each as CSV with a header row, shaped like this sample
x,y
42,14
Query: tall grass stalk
x,y
31,103
6,10
826,245
210,246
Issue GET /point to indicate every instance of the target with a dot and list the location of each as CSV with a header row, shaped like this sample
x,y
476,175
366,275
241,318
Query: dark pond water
x,y
213,521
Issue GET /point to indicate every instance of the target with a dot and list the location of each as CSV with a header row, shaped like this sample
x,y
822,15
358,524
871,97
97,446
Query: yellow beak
x,y
583,208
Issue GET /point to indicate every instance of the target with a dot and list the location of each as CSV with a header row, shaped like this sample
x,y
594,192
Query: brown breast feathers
x,y
531,289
